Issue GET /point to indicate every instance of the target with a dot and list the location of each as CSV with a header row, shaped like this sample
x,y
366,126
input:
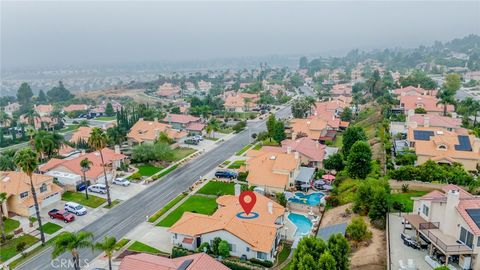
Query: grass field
x,y
93,201
195,204
217,188
141,247
164,209
106,118
236,164
10,225
148,169
244,149
9,249
257,146
406,198
121,243
51,228
114,202
182,152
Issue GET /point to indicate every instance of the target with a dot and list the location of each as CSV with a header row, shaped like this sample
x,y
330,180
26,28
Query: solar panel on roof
x,y
475,215
422,135
463,143
326,232
185,264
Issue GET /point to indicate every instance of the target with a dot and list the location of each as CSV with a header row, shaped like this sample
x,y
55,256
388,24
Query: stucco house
x,y
145,261
148,132
189,123
19,194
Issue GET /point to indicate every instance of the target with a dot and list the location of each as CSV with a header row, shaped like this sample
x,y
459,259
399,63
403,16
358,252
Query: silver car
x,y
121,182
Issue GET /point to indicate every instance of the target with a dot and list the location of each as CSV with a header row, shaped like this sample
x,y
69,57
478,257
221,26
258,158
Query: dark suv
x,y
225,174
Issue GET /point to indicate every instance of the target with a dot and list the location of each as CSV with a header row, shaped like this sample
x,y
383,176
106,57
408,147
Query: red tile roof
x,y
195,126
307,147
466,204
180,118
143,261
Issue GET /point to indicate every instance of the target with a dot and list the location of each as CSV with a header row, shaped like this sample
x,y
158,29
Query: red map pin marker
x,y
247,201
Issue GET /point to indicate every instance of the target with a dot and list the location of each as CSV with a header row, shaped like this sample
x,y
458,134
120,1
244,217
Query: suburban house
x,y
81,134
335,106
145,261
39,121
449,222
341,90
311,152
240,102
314,128
19,192
272,171
414,91
436,120
191,124
168,90
43,110
444,146
429,103
204,86
69,173
75,107
10,108
148,132
253,238
100,109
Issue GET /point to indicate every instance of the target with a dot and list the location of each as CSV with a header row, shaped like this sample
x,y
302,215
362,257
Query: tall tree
x,y
359,162
85,165
59,93
107,246
327,262
3,198
42,98
109,110
351,136
72,241
303,62
340,249
279,132
24,94
98,140
27,161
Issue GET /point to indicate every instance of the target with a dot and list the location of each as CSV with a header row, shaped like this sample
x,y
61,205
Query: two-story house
x,y
19,192
189,123
144,131
449,221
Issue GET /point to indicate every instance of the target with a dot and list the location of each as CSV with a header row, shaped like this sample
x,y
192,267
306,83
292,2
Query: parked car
x,y
192,141
225,174
81,187
121,182
406,224
98,188
61,215
75,208
198,137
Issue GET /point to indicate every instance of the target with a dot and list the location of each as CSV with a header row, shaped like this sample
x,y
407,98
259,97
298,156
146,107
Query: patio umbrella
x,y
328,177
319,182
327,187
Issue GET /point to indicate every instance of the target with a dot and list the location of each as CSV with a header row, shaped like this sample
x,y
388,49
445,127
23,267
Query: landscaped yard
x,y
148,169
10,225
338,142
93,201
121,243
164,209
270,142
283,255
141,247
236,164
51,228
347,190
196,204
114,202
106,118
244,149
406,198
257,146
182,152
68,128
9,249
217,188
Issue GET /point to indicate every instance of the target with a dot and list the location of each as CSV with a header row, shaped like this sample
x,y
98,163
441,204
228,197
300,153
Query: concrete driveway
x,y
121,192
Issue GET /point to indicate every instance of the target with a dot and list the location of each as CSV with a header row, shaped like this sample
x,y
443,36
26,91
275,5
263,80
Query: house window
x,y
232,247
442,147
24,194
425,210
248,249
43,187
478,242
466,237
174,236
261,255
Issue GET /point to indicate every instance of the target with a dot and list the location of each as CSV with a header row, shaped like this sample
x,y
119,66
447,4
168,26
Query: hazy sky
x,y
57,33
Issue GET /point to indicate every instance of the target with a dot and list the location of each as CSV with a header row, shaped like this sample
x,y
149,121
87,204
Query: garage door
x,y
51,199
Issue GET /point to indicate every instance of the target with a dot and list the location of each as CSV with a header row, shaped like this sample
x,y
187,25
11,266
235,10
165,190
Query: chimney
x,y
476,145
454,115
289,149
117,149
297,155
140,119
270,207
169,119
238,189
426,121
453,198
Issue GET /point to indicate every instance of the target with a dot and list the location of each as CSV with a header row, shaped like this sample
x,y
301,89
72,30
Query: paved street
x,y
126,216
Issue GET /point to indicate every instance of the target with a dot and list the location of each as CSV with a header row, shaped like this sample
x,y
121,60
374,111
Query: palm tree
x,y
31,133
98,140
107,246
72,241
85,164
27,160
47,143
3,197
31,116
445,98
212,126
57,115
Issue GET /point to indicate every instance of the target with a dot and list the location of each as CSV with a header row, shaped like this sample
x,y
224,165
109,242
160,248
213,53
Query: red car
x,y
62,215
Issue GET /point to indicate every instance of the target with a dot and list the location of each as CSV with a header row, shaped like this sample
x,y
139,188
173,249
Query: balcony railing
x,y
446,248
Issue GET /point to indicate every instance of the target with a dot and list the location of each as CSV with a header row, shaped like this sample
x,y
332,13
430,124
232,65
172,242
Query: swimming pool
x,y
303,224
310,199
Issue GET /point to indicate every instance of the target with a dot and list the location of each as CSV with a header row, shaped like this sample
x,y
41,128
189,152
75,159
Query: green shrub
x,y
235,266
265,263
242,176
136,176
179,252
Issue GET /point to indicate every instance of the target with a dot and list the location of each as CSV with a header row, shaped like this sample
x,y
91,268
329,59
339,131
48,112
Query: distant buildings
x,y
168,90
240,102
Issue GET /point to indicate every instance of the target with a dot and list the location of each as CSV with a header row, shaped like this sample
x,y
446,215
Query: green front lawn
x,y
9,249
270,142
338,142
182,152
121,243
236,164
164,209
141,247
10,225
195,204
50,228
258,146
244,149
406,198
217,188
106,118
114,202
148,169
68,128
283,255
79,197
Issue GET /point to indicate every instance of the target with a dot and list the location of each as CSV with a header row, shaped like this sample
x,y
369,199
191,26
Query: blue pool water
x,y
304,225
310,199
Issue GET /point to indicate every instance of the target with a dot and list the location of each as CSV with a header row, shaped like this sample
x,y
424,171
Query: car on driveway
x,y
225,174
121,182
98,188
61,215
75,208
